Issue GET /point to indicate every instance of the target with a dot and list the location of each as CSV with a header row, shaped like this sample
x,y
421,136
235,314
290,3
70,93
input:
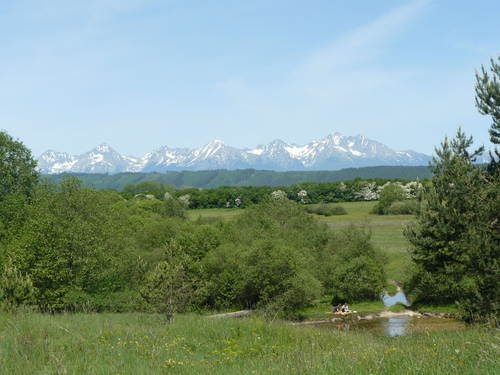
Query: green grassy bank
x,y
144,344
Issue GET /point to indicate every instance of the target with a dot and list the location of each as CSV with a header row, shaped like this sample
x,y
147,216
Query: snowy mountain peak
x,y
335,151
209,149
277,143
104,147
53,156
335,138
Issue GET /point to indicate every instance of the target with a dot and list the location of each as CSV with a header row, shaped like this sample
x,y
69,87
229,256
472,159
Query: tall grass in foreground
x,y
144,344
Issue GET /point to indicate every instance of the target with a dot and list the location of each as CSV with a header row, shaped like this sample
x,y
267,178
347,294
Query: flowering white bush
x,y
412,189
278,195
369,192
185,199
302,196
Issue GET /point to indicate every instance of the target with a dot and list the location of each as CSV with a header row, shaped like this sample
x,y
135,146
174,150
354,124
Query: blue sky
x,y
143,73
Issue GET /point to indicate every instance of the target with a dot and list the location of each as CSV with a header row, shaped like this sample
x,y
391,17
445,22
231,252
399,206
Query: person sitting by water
x,y
345,308
336,308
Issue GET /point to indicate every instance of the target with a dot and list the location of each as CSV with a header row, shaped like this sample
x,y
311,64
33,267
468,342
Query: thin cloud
x,y
344,66
363,43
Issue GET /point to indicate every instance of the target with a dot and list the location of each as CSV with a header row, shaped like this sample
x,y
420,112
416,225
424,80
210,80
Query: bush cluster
x,y
408,207
326,210
79,249
393,200
64,247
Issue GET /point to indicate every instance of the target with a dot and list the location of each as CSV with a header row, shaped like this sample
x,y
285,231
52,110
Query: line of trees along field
x,y
304,193
64,247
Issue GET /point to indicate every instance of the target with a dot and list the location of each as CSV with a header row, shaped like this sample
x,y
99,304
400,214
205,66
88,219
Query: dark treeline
x,y
244,196
246,177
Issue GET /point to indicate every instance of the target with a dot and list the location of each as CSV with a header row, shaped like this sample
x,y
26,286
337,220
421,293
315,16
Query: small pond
x,y
396,326
400,325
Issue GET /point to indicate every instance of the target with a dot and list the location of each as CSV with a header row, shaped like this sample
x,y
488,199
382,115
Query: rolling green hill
x,y
246,177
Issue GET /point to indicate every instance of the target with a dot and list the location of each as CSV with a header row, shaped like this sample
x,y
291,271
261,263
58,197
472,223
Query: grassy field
x,y
213,213
387,230
144,344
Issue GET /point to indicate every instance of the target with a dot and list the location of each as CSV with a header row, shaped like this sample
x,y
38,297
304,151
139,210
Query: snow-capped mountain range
x,y
333,152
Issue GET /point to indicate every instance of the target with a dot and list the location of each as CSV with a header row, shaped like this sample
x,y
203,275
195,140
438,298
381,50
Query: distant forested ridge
x,y
245,177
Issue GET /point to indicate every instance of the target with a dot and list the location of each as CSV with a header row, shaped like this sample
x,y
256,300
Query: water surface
x,y
396,326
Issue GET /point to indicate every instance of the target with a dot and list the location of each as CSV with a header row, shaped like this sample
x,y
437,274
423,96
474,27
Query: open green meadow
x,y
144,344
213,213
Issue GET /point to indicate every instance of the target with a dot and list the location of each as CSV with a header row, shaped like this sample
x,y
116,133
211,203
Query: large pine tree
x,y
488,103
456,238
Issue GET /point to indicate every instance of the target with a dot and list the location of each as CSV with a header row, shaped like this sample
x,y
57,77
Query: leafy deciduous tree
x,y
169,287
18,177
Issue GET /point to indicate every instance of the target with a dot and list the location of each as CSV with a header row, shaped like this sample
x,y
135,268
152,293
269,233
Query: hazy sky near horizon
x,y
139,74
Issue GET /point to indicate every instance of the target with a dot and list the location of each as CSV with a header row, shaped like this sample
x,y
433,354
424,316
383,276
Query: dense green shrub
x,y
360,278
170,287
16,289
276,258
326,210
357,271
407,207
266,260
391,193
70,246
272,273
